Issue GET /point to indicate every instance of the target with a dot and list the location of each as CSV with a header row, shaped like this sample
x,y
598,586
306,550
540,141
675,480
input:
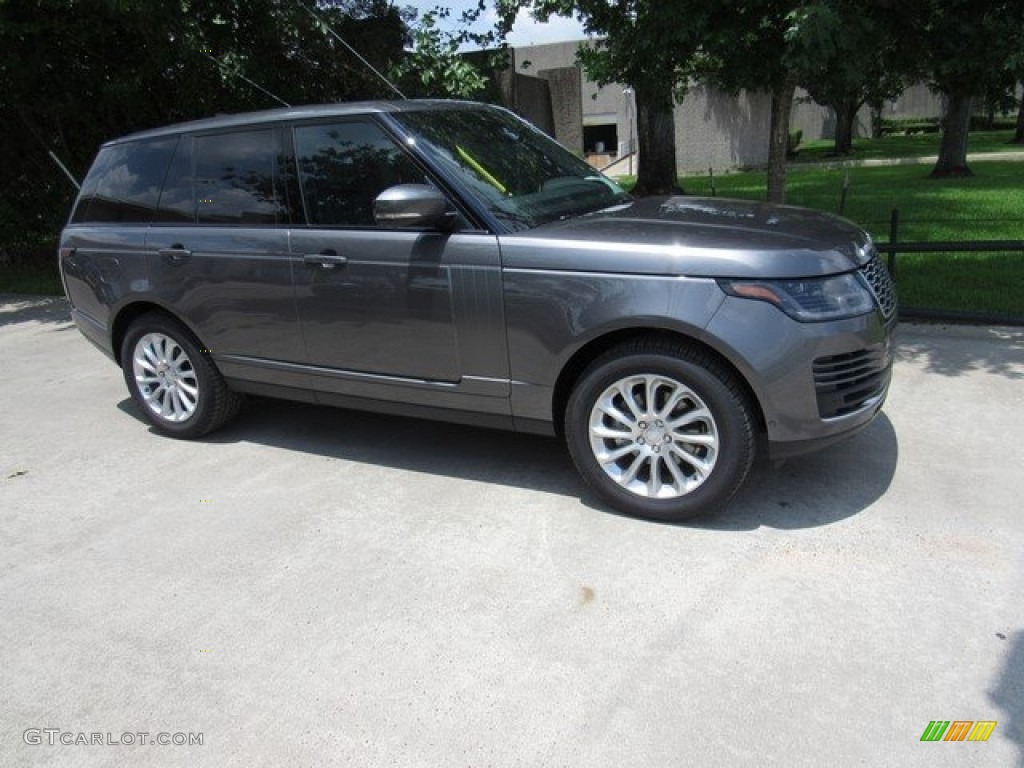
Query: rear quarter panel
x,y
106,267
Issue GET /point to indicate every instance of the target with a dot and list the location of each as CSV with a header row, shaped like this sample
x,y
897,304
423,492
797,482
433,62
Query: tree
x,y
435,67
773,45
74,73
649,45
1018,134
1017,68
765,46
966,47
860,61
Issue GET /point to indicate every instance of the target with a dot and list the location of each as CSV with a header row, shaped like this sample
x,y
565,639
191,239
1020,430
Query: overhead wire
x,y
254,84
352,50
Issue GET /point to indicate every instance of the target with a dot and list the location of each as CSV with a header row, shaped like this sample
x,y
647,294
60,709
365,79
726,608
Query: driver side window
x,y
344,166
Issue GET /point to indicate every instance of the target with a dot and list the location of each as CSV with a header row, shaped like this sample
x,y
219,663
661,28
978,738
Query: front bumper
x,y
816,383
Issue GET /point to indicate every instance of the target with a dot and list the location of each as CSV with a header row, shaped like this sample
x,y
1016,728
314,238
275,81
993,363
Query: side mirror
x,y
413,206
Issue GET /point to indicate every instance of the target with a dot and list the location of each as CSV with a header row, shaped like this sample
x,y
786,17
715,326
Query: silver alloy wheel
x,y
653,436
165,376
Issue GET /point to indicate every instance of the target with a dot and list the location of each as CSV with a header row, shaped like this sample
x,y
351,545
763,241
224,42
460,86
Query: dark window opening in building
x,y
601,139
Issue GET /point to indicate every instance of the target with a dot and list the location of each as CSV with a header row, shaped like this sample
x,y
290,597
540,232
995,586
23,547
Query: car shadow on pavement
x,y
806,492
817,488
414,445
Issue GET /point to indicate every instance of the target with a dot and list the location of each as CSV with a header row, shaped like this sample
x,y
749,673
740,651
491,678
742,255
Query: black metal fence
x,y
998,282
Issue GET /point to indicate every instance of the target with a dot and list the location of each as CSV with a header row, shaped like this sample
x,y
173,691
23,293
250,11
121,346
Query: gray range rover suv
x,y
447,260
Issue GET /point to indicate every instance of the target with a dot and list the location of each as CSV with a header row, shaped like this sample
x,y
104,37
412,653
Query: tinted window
x,y
234,179
124,182
344,166
177,200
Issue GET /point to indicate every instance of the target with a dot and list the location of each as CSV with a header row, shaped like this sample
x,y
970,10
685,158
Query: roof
x,y
344,109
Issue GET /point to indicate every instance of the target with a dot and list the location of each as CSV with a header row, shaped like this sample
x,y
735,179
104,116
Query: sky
x,y
525,32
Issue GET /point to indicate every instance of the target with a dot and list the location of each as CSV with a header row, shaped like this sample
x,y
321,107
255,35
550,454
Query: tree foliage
x,y
651,47
765,47
967,48
859,60
436,67
74,73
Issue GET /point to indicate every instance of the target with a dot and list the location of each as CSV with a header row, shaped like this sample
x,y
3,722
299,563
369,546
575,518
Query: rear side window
x,y
344,166
124,182
234,179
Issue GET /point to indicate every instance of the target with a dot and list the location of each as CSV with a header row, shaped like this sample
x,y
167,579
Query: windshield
x,y
525,178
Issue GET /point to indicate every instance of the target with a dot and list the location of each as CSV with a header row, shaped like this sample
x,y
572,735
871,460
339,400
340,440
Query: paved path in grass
x,y
1015,156
618,168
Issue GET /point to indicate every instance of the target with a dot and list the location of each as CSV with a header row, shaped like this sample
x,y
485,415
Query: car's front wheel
x,y
173,381
660,430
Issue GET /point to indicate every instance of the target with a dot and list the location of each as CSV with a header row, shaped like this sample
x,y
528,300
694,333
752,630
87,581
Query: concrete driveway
x,y
319,587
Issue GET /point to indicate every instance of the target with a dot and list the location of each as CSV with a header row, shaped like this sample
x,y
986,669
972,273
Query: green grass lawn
x,y
31,280
986,206
962,282
917,145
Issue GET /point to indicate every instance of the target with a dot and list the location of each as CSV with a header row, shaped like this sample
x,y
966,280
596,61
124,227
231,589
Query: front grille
x,y
878,279
844,383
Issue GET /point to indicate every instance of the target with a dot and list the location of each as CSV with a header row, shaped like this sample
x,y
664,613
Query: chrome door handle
x,y
175,254
325,260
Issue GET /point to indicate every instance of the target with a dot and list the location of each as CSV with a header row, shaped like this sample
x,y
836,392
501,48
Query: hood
x,y
694,236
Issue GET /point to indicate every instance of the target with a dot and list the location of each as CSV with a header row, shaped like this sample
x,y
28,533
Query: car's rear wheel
x,y
660,430
173,381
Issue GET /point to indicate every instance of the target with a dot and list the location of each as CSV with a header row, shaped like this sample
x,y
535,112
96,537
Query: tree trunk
x,y
953,150
782,107
656,138
1018,135
846,114
876,119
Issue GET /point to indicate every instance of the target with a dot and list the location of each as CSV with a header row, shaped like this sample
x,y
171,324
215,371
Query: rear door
x,y
219,252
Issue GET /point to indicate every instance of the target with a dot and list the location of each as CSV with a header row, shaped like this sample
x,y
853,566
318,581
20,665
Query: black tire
x,y
192,399
707,435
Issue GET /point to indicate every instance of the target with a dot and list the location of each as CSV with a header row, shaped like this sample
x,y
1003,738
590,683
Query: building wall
x,y
531,98
720,131
529,59
597,104
915,101
713,129
818,122
566,109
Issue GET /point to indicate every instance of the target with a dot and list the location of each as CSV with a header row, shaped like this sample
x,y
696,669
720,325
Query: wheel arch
x,y
129,313
594,348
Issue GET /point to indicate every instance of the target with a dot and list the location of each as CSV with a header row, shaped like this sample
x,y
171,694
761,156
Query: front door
x,y
389,313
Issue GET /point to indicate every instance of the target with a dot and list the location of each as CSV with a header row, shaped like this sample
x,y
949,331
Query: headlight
x,y
811,300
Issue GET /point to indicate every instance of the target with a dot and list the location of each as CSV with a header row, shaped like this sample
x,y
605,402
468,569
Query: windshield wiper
x,y
604,205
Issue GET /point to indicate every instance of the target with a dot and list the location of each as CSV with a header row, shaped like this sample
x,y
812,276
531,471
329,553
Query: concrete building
x,y
713,129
